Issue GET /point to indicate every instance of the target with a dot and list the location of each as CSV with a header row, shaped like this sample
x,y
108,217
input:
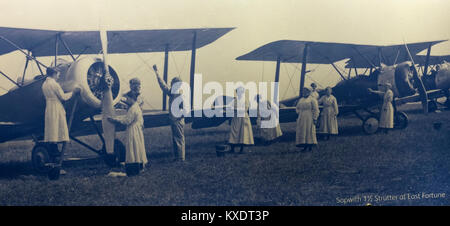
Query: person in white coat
x,y
328,116
135,143
241,132
308,110
314,92
387,110
273,130
135,91
55,130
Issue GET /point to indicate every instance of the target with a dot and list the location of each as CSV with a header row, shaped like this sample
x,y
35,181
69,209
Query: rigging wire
x,y
134,71
307,75
290,81
262,73
148,67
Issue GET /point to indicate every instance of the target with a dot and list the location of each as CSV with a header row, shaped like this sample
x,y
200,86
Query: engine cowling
x,y
400,77
442,79
387,75
87,73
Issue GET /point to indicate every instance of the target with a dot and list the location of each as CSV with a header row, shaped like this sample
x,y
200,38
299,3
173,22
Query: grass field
x,y
401,168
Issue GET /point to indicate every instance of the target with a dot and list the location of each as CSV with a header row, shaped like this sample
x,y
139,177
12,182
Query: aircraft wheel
x,y
53,173
447,102
40,157
370,125
432,106
400,120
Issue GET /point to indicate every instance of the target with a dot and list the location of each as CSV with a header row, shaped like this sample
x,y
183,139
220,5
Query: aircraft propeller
x,y
107,100
418,81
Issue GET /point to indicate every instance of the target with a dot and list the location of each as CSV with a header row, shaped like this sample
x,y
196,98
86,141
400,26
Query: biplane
x,y
395,64
22,108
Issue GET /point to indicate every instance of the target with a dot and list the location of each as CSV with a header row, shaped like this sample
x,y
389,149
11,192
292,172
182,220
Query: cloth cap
x,y
51,71
135,81
176,79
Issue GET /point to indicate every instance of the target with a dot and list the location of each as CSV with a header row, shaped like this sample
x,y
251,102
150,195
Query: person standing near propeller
x,y
109,129
56,130
387,110
176,123
135,91
135,145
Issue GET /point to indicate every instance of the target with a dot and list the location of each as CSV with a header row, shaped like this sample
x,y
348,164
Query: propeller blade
x,y
104,40
109,131
420,87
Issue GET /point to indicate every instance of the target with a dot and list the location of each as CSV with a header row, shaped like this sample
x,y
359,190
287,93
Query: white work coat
x,y
55,115
271,133
314,94
241,128
308,111
387,111
135,145
328,121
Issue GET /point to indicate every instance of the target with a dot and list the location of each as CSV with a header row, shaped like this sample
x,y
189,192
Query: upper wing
x,y
292,51
360,56
42,42
390,54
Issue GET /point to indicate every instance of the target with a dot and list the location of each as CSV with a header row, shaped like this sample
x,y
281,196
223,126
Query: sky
x,y
257,22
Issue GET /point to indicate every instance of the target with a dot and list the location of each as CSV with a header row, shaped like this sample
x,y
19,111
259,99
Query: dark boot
x,y
232,148
241,151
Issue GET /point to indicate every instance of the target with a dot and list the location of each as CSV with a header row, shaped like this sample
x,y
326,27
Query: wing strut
x,y
335,68
332,64
6,76
21,50
427,60
365,58
277,79
396,57
56,50
25,70
303,73
191,81
165,74
66,47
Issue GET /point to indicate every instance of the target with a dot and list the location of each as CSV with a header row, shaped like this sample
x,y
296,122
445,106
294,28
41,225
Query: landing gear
x,y
45,159
370,125
40,158
400,120
113,160
54,173
432,106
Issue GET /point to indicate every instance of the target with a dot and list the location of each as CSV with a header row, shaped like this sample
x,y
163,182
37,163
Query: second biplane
x,y
391,63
